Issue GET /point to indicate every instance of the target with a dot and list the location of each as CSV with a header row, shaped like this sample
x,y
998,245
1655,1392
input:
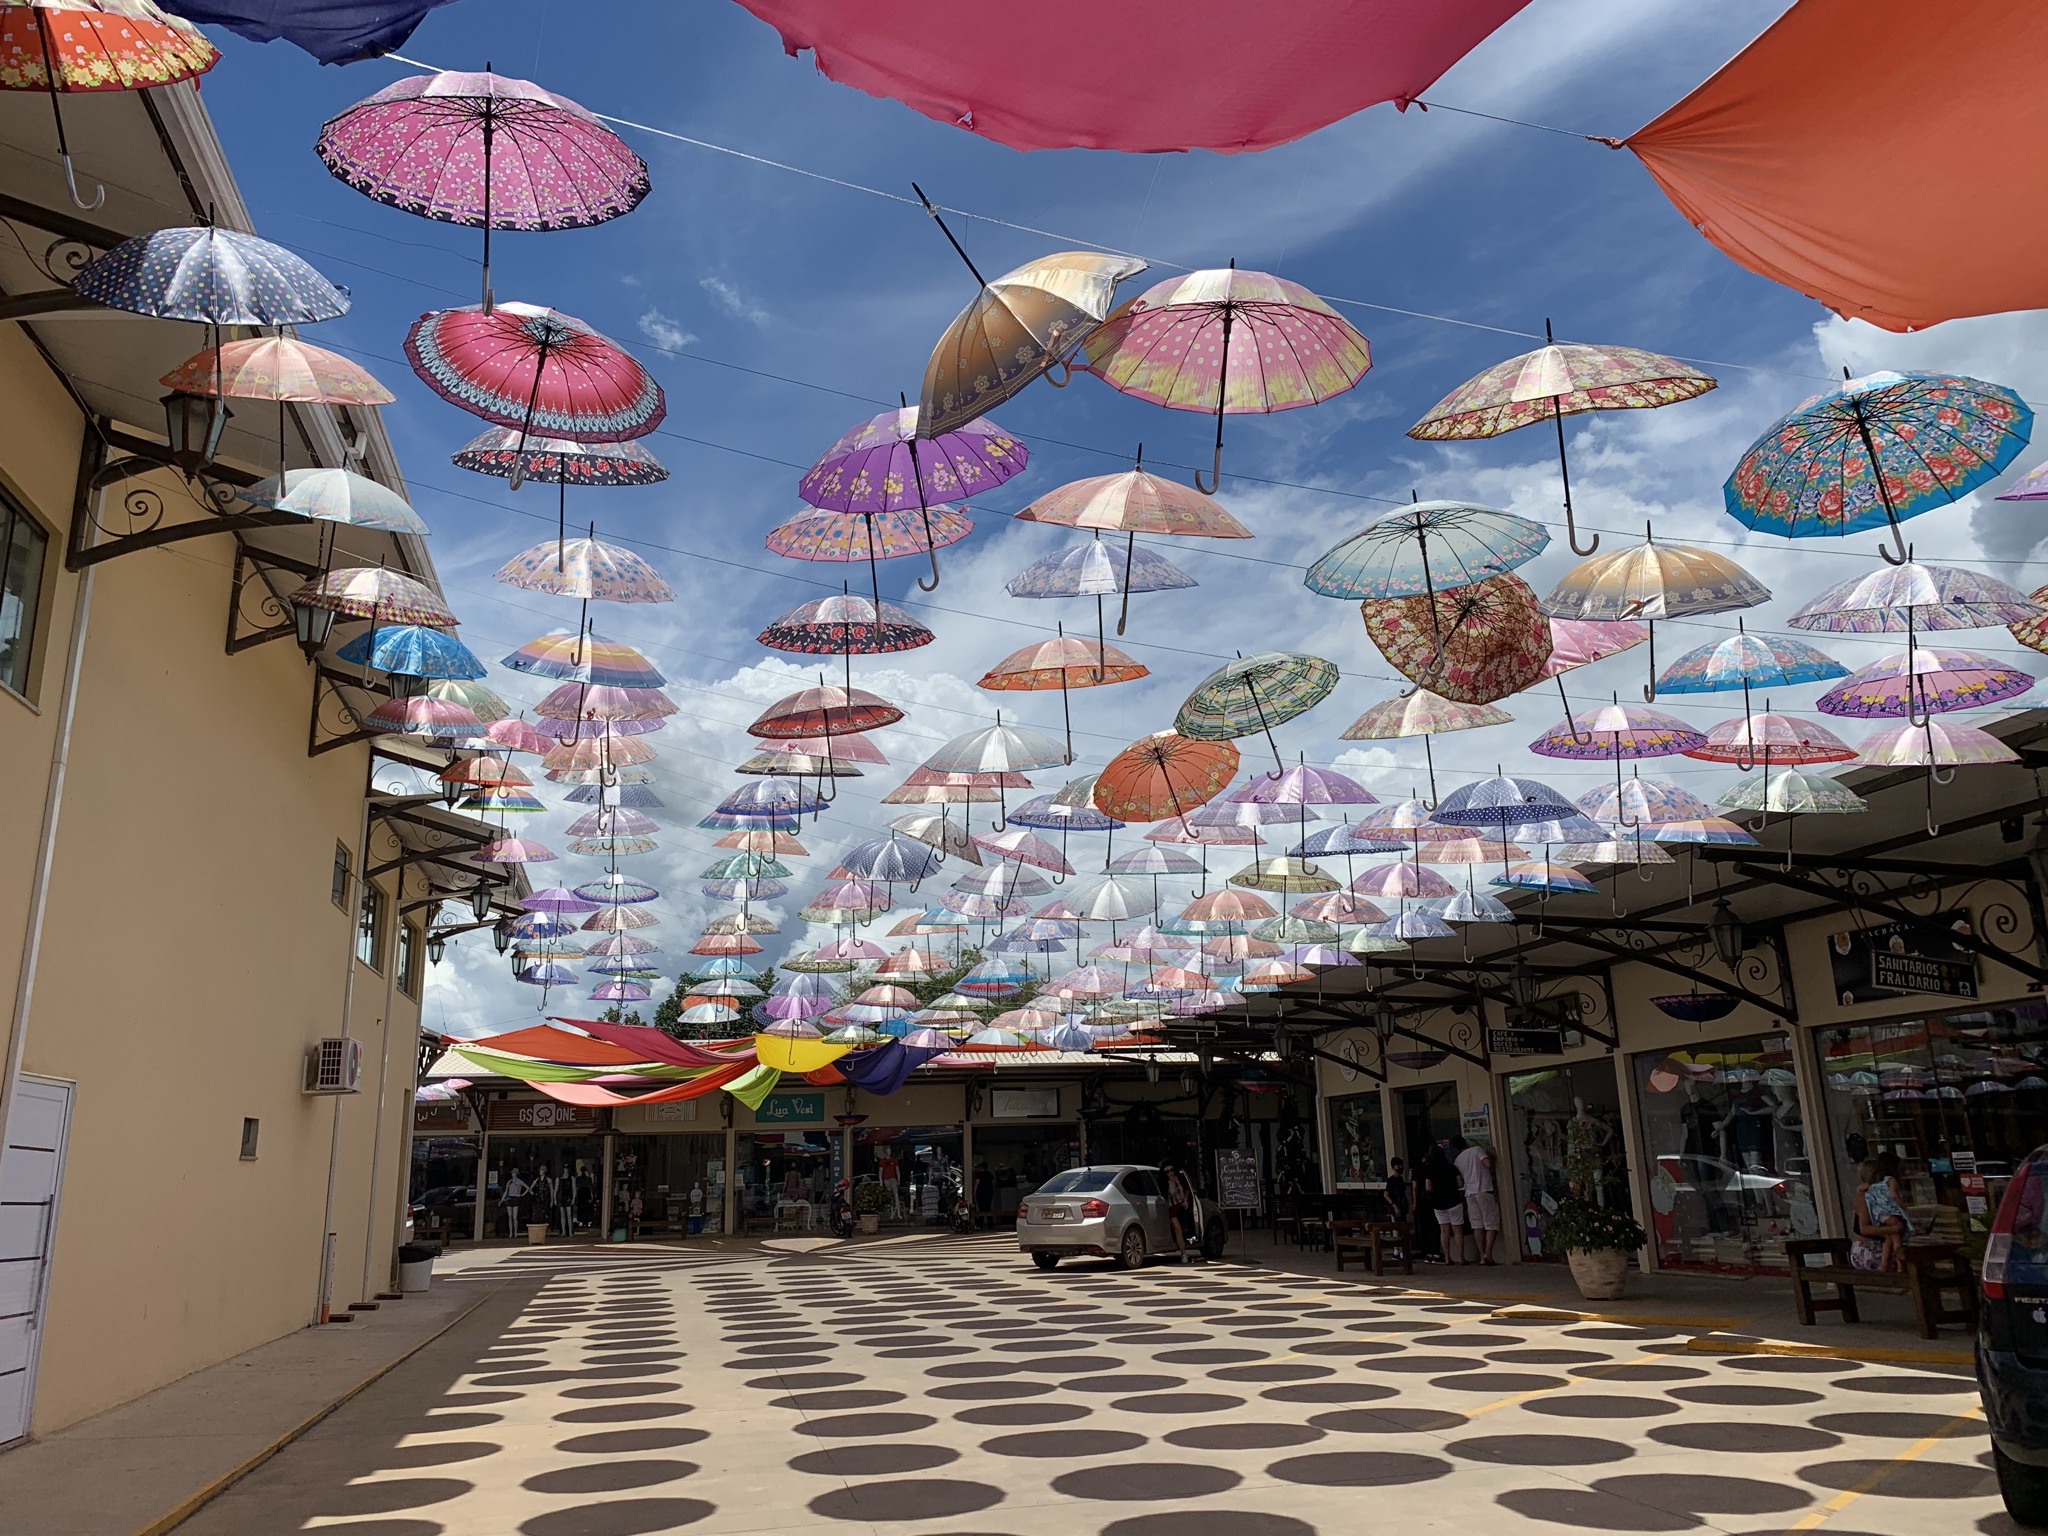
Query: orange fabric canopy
x,y
1881,156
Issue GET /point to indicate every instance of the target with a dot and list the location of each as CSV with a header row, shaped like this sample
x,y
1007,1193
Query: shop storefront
x,y
917,1165
678,1179
1959,1099
557,1151
1358,1141
1723,1136
1016,1155
1546,1108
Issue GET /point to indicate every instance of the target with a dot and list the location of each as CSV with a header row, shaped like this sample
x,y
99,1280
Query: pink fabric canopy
x,y
1880,156
646,1043
593,1097
1137,74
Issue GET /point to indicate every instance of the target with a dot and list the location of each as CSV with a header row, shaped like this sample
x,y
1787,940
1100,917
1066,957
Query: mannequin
x,y
565,1200
510,1199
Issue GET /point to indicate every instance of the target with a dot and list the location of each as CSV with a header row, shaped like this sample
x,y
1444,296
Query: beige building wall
x,y
190,954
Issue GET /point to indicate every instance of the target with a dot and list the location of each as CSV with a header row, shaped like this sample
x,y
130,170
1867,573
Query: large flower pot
x,y
1600,1274
870,1222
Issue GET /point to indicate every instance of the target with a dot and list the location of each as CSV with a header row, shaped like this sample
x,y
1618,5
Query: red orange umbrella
x,y
824,711
1164,774
1063,663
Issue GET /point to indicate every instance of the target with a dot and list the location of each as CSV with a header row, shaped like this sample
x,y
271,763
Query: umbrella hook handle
x,y
1066,375
99,194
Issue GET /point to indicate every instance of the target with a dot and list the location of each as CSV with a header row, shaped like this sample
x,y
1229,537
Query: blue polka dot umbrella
x,y
216,276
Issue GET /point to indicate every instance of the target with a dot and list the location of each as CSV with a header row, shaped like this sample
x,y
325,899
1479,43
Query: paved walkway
x,y
942,1386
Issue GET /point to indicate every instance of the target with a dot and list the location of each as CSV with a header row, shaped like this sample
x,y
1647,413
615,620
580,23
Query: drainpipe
x,y
384,1072
323,1299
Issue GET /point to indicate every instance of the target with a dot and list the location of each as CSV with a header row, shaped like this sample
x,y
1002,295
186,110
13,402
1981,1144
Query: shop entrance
x,y
1543,1109
917,1165
1010,1161
786,1179
558,1184
1429,1114
679,1181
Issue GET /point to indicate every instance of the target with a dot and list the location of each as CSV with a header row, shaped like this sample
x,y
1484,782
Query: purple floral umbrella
x,y
882,465
1929,680
485,151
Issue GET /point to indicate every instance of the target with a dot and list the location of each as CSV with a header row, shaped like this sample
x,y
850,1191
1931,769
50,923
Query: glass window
x,y
337,888
409,960
1959,1100
1077,1181
1543,1108
1358,1141
23,548
370,928
1725,1136
1142,1183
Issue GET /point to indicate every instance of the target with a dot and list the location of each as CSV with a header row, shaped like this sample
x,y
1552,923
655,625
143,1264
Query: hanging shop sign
x,y
1024,1103
444,1117
1237,1181
790,1109
509,1115
1524,1042
1892,959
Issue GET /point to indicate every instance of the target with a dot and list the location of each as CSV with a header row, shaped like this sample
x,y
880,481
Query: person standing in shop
x,y
1482,1198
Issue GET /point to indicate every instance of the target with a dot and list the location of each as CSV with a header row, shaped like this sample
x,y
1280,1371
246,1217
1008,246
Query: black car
x,y
2012,1342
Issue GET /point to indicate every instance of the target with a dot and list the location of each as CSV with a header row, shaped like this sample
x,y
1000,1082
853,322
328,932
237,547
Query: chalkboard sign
x,y
1237,1181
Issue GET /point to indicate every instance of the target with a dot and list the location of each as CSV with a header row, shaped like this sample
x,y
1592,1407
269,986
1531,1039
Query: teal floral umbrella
x,y
1874,451
1748,661
1425,548
1253,694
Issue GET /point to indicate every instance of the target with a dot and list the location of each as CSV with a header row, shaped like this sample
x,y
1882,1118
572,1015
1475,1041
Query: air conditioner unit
x,y
335,1065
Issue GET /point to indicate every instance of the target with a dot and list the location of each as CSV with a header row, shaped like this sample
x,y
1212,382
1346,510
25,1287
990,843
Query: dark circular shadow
x,y
924,1352
1142,1482
616,1441
612,1372
1358,1469
1742,1395
986,1391
396,1527
1350,1347
810,1402
622,1413
793,1346
435,1423
1024,1413
1499,1383
780,1362
1279,1331
1587,1509
1132,1382
856,1426
1471,1340
1388,1421
1329,1392
908,1498
873,1460
1897,1426
1758,1437
1242,1437
391,1495
1393,1325
1587,1405
1064,1443
1539,1450
1701,1493
618,1517
526,1378
1280,1370
476,1399
437,1454
1070,1365
1904,1480
1782,1365
1420,1364
1207,1356
805,1381
1929,1385
973,1370
1210,1522
1621,1332
1643,1371
609,1476
623,1389
1179,1402
1546,1356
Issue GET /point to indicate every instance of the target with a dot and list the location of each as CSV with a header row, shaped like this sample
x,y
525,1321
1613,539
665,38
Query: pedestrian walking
x,y
510,1198
1400,1201
1445,1200
1482,1198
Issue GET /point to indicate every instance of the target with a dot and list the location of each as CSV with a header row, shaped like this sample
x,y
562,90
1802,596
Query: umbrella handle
x,y
1222,395
1650,688
99,194
1066,367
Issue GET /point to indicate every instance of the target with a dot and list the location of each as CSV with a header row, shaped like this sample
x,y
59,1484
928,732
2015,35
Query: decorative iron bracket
x,y
338,724
259,611
214,492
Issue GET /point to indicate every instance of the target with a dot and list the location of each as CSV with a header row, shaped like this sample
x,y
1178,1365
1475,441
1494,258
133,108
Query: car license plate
x,y
1055,1213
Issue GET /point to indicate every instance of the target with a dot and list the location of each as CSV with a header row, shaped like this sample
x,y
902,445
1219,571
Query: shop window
x,y
1958,1100
250,1127
1358,1141
1543,1107
1725,1136
409,960
24,553
337,885
370,928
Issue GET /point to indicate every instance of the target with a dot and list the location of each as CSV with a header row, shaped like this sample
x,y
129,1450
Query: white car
x,y
1109,1210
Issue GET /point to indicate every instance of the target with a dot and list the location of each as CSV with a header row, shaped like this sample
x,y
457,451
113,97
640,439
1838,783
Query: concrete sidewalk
x,y
140,1469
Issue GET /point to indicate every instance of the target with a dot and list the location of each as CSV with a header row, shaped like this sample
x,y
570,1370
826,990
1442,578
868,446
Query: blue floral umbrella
x,y
412,650
216,276
892,858
1424,549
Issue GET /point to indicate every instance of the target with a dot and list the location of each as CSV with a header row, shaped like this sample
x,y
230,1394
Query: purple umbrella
x,y
554,898
882,465
484,150
1929,680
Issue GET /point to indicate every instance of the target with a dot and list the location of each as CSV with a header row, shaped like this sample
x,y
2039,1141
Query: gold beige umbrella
x,y
1018,326
1425,714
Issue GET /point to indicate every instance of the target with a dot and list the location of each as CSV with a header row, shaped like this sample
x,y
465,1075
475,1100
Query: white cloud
x,y
664,332
733,302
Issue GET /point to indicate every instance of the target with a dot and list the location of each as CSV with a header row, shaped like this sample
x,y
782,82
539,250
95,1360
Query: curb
x,y
1541,1314
192,1503
1724,1344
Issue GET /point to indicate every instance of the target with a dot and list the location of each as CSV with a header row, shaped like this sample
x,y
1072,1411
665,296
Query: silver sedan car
x,y
1108,1210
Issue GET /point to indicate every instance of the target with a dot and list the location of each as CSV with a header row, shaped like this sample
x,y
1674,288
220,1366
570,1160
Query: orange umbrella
x,y
1062,663
1164,774
1471,644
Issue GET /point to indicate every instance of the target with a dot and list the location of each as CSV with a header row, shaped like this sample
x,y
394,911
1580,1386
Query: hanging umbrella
x,y
1933,679
337,496
997,748
1297,876
1771,740
771,798
1576,643
1253,694
619,848
1164,774
1543,875
484,773
1401,881
937,830
584,657
1500,802
276,368
893,858
1018,326
1874,451
378,593
1704,830
1304,785
1652,581
511,850
472,696
741,922
411,650
762,840
1792,792
484,151
1472,644
518,456
845,625
435,719
1916,598
1155,860
516,735
1934,744
537,370
612,821
597,701
870,536
1424,549
1748,661
1024,847
586,568
924,787
1639,802
1063,663
1173,346
1618,731
1096,570
204,273
1425,714
61,46
618,890
824,711
1553,382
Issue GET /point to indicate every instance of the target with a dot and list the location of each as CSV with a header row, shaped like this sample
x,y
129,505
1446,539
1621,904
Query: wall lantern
x,y
1523,985
194,423
1725,929
437,946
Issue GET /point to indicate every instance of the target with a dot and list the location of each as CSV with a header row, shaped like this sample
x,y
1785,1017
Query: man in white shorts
x,y
1482,1199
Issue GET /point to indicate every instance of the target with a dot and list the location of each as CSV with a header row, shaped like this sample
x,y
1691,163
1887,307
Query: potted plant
x,y
1595,1239
869,1201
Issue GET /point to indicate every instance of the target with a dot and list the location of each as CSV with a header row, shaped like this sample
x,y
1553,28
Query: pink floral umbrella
x,y
1576,643
1618,731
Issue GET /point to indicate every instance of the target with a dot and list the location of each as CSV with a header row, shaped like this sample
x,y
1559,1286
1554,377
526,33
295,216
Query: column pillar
x,y
729,1199
483,1165
604,1194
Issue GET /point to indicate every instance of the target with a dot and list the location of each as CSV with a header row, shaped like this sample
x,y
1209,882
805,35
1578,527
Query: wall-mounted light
x,y
501,935
480,901
194,423
1725,929
312,624
437,946
1523,984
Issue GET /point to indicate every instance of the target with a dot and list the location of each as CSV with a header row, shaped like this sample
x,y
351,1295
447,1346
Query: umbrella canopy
x,y
1916,598
1501,802
471,695
1704,830
1931,679
1637,802
1424,549
845,625
515,735
1401,881
1066,662
1134,502
1097,569
1164,774
337,496
205,273
1421,713
843,536
1227,341
587,568
1874,451
585,657
757,839
1578,643
1553,382
1015,328
947,836
998,748
276,368
771,798
885,465
612,821
1618,730
365,592
1304,785
1748,661
1284,874
535,369
486,151
1543,875
412,650
1472,644
618,890
1155,860
1792,792
512,850
824,711
437,719
511,455
1771,739
597,701
892,858
1653,581
1252,694
1023,847
1932,744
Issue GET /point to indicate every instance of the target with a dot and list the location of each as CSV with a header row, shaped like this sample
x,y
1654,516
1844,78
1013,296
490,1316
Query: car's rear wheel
x,y
2024,1489
1045,1260
1130,1253
1213,1238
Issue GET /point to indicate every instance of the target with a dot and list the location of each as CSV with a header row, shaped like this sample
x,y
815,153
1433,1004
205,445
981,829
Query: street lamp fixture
x,y
1522,984
1725,929
480,901
194,423
1383,1020
312,623
501,936
437,946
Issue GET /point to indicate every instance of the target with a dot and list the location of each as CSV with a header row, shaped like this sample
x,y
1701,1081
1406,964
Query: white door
x,y
31,1170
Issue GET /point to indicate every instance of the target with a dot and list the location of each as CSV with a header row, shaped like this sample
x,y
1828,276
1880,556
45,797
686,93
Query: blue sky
x,y
778,309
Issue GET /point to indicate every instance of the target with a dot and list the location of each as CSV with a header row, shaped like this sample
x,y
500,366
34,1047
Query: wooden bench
x,y
1931,1268
1350,1239
1393,1243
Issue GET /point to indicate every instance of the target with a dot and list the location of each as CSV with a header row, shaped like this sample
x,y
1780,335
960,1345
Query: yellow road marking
x,y
1913,1452
1721,1344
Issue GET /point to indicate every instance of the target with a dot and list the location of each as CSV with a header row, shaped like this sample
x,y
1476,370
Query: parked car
x,y
1110,1210
2012,1342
